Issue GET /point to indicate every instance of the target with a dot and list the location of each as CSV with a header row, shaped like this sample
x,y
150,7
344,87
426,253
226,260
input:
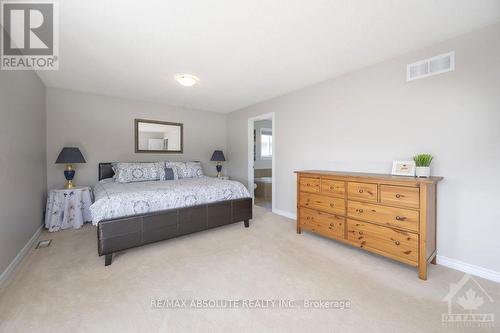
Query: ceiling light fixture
x,y
187,80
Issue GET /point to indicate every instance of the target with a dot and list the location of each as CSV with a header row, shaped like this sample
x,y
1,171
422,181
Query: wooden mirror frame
x,y
137,150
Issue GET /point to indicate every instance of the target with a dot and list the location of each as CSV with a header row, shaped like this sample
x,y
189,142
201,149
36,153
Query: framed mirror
x,y
158,136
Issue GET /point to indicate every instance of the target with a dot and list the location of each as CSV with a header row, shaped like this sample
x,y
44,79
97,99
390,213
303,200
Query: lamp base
x,y
69,185
219,169
69,173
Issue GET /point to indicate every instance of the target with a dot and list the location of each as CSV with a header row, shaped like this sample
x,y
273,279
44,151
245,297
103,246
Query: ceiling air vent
x,y
436,65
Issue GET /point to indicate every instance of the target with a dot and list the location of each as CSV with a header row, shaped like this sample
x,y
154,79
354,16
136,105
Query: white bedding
x,y
114,200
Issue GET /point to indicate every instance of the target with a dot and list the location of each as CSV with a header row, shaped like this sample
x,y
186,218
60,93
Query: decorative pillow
x,y
139,172
185,169
193,170
176,167
169,174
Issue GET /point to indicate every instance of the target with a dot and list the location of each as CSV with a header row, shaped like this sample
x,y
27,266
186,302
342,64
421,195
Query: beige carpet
x,y
66,288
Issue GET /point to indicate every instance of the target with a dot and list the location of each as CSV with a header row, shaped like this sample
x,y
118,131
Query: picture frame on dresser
x,y
403,168
388,215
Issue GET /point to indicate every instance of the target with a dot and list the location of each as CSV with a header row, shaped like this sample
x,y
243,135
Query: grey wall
x,y
259,163
364,120
23,175
103,128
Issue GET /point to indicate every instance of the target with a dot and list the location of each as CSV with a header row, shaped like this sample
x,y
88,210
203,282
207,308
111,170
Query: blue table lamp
x,y
69,156
218,156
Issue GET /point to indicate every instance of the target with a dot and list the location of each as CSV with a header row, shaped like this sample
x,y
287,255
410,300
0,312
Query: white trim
x,y
286,214
17,260
250,155
469,268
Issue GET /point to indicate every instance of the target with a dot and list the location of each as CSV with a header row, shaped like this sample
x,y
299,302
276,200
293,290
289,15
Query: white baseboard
x,y
12,266
289,215
469,268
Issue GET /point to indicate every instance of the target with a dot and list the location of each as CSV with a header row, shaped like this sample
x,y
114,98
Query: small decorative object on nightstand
x,y
69,156
218,156
68,208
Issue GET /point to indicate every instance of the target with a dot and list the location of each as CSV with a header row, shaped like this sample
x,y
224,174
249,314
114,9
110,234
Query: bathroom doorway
x,y
261,175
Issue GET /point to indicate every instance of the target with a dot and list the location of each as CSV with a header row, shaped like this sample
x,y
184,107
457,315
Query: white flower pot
x,y
423,171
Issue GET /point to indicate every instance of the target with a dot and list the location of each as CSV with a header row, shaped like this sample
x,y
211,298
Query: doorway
x,y
261,160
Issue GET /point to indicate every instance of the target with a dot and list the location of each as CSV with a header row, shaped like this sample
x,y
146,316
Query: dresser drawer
x,y
323,203
389,216
394,243
323,223
362,191
400,196
309,184
332,187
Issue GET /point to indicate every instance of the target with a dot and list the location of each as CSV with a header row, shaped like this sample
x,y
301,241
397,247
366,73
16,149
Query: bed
x,y
135,214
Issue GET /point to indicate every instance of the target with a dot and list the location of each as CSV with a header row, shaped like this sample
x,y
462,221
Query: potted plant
x,y
423,165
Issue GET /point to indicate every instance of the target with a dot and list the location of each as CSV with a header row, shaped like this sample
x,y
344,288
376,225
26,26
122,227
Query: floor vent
x,y
432,66
43,243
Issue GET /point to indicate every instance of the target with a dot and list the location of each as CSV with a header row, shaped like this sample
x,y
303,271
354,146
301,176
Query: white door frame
x,y
250,161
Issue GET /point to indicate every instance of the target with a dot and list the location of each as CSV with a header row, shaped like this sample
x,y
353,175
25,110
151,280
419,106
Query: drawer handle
x,y
360,191
400,218
398,195
359,210
332,188
397,242
361,232
332,205
332,225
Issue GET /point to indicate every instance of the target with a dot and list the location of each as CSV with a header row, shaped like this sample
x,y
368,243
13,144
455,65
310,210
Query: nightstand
x,y
68,208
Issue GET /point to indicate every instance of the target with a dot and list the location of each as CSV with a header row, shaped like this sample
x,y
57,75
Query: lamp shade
x,y
218,156
69,155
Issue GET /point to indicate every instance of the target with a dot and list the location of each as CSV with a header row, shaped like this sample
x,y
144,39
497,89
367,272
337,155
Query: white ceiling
x,y
243,52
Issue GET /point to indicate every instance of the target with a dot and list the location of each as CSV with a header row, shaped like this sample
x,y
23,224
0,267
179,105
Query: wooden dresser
x,y
389,215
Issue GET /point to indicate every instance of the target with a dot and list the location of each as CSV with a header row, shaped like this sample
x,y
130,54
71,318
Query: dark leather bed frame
x,y
132,231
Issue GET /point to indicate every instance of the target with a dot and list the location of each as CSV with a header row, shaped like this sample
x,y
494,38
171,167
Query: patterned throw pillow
x,y
176,167
169,174
185,169
139,172
193,170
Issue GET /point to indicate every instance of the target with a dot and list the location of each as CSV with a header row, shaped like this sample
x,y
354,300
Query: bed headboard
x,y
106,170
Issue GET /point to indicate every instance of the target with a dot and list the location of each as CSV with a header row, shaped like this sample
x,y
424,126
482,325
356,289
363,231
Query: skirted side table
x,y
68,208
